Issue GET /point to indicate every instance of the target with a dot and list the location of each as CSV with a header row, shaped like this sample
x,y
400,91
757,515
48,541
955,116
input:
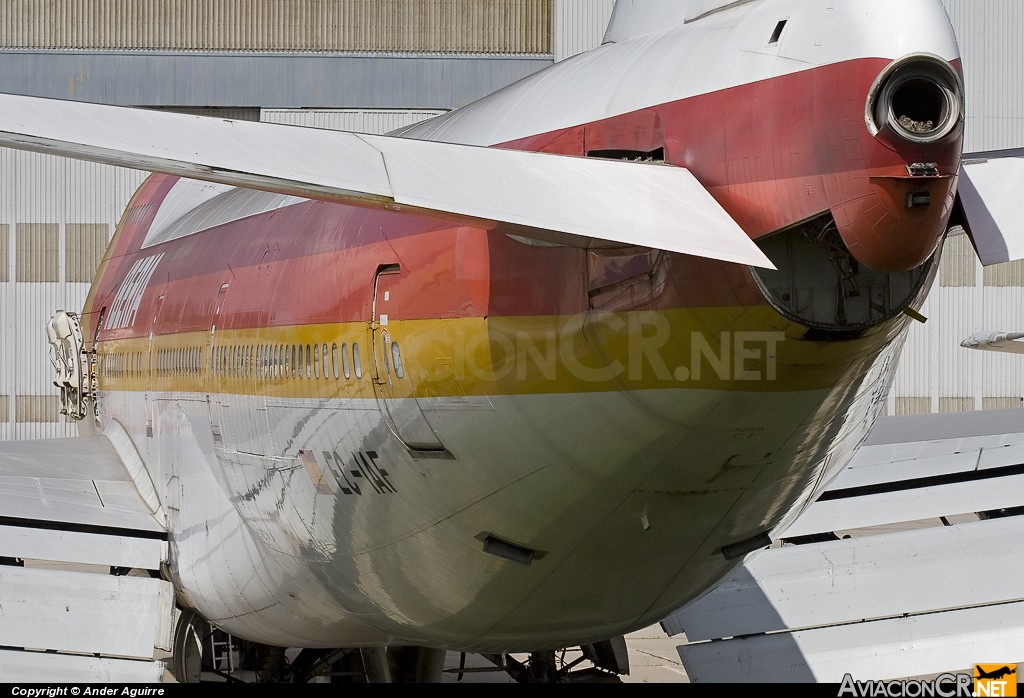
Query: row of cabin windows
x,y
273,361
297,361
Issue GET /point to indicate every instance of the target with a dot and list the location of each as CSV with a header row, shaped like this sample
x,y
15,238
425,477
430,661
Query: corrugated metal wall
x,y
377,121
450,26
251,80
990,34
56,217
936,374
81,202
579,25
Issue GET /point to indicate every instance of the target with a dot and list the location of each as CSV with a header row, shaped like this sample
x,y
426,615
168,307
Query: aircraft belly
x,y
335,531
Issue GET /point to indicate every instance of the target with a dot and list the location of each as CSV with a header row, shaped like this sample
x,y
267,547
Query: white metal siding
x,y
378,121
990,33
968,298
43,193
579,25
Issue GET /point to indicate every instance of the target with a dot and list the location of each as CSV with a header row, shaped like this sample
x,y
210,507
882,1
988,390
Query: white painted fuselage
x,y
534,447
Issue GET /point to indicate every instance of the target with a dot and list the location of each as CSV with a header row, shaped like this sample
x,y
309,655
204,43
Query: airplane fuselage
x,y
369,427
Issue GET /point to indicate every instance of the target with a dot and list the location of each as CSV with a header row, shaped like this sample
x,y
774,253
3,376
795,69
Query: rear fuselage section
x,y
368,427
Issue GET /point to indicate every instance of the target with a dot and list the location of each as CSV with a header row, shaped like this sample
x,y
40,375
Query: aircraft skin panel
x,y
744,181
862,579
82,612
878,650
888,463
583,202
990,184
950,468
526,294
78,480
917,505
333,526
687,61
27,667
267,282
343,533
83,548
62,459
274,359
778,181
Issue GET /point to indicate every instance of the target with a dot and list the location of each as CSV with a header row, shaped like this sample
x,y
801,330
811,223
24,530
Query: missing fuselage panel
x,y
821,285
657,155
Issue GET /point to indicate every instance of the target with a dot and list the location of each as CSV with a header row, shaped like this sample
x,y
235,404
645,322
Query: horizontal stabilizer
x,y
580,202
81,483
989,192
886,559
1006,342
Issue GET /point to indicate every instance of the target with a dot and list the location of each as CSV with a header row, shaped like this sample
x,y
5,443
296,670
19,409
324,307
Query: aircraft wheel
x,y
187,657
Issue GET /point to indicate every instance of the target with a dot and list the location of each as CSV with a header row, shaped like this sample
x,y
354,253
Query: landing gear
x,y
187,657
608,661
203,653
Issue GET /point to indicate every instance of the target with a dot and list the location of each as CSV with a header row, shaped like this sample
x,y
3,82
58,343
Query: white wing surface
x,y
581,202
989,189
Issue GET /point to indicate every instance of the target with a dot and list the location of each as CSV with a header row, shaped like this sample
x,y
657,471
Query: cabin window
x,y
356,362
346,367
323,361
396,360
295,363
334,361
316,361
